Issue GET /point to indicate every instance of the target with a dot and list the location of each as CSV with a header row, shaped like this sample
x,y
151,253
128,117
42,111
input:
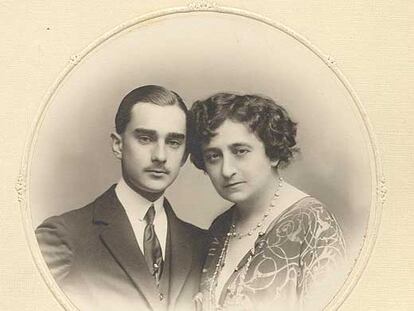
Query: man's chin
x,y
156,186
153,187
151,191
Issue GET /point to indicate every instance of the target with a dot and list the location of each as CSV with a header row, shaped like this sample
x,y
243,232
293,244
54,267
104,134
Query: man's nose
x,y
159,153
228,169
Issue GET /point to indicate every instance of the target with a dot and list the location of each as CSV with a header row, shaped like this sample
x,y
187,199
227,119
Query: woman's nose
x,y
228,168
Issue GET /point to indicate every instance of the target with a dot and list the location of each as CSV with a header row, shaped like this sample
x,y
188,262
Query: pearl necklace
x,y
234,233
212,304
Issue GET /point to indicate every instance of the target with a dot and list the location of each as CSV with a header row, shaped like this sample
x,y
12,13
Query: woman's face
x,y
237,164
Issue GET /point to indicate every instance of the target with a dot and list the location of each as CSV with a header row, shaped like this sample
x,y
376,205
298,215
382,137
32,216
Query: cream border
x,y
378,190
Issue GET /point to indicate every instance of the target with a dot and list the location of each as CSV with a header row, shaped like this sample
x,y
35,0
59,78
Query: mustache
x,y
157,168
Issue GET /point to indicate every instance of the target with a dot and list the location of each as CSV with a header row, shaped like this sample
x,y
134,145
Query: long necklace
x,y
272,204
222,257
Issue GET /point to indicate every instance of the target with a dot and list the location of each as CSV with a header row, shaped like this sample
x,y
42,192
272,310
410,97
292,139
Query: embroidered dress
x,y
300,248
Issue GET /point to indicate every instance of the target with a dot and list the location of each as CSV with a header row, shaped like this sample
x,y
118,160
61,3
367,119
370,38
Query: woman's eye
x,y
241,151
211,157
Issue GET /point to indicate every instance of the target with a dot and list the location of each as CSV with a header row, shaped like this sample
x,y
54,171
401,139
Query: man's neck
x,y
133,202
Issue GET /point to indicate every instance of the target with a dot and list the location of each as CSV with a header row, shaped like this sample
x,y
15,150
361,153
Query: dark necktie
x,y
152,247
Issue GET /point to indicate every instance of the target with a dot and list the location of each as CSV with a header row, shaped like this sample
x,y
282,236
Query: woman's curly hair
x,y
269,121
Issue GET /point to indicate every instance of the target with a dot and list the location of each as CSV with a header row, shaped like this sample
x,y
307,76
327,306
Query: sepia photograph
x,y
206,161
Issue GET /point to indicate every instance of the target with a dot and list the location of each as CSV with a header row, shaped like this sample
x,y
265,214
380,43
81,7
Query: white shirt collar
x,y
135,205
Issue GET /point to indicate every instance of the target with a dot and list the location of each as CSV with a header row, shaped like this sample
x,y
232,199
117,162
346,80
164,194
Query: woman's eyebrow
x,y
235,145
211,149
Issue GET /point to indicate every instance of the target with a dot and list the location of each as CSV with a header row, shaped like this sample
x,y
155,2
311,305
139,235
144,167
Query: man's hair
x,y
267,120
152,94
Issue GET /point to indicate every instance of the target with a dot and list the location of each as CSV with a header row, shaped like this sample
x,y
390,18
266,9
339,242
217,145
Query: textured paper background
x,y
371,43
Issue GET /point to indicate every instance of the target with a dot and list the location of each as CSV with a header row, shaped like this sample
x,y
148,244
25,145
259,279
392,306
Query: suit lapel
x,y
118,237
181,254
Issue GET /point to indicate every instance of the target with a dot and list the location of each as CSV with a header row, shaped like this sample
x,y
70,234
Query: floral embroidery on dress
x,y
298,250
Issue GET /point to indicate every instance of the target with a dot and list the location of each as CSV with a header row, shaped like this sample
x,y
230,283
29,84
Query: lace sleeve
x,y
322,257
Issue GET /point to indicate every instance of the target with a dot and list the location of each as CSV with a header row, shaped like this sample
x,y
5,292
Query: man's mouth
x,y
157,171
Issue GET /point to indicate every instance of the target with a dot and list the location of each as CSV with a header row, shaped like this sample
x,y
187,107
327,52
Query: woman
x,y
276,246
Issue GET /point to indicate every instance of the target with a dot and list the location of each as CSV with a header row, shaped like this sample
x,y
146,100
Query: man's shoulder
x,y
79,217
196,237
186,229
193,229
76,217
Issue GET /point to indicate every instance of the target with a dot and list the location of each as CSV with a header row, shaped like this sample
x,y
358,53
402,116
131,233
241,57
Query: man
x,y
127,250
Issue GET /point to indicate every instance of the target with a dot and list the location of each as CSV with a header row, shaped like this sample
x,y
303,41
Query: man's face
x,y
152,147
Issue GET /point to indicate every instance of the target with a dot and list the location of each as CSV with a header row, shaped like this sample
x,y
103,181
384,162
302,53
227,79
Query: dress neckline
x,y
259,243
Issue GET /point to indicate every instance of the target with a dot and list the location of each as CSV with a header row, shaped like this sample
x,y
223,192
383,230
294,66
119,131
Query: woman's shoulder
x,y
310,204
310,211
297,202
304,213
308,220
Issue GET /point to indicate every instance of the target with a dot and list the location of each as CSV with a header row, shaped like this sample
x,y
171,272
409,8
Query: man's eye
x,y
175,143
144,139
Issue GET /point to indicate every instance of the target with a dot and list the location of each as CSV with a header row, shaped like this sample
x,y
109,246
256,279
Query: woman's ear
x,y
274,163
116,145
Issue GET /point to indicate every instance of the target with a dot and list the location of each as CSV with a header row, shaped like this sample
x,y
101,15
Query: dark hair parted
x,y
153,94
268,120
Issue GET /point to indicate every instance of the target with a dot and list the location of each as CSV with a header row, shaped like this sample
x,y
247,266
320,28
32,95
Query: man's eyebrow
x,y
144,131
176,136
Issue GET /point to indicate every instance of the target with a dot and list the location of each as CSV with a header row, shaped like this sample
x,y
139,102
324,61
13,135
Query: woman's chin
x,y
234,197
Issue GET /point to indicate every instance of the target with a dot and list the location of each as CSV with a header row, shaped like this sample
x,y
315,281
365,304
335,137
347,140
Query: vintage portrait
x,y
202,161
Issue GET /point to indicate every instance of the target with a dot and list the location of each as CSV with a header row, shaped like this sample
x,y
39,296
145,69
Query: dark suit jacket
x,y
94,256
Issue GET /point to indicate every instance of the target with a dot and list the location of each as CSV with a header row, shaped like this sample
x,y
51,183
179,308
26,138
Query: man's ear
x,y
116,145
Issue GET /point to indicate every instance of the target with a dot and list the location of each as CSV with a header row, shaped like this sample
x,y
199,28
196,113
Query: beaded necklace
x,y
272,204
222,258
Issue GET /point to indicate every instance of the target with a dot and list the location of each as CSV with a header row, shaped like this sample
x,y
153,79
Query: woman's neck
x,y
258,205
